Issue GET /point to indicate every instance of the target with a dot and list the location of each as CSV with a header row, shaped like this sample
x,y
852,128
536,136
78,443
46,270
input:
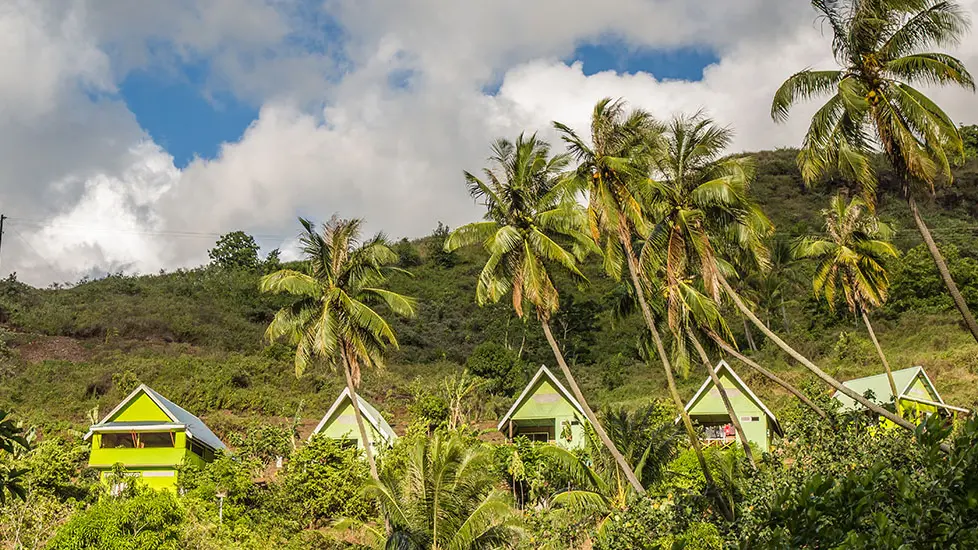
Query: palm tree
x,y
531,221
12,441
699,201
333,319
708,217
850,262
613,168
880,48
646,436
445,497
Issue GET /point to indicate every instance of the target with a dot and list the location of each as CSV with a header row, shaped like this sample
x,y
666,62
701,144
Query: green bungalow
x,y
151,437
339,423
546,412
706,409
916,392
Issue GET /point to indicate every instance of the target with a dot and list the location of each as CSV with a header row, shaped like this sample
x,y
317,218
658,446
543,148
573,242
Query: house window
x,y
155,440
119,441
195,447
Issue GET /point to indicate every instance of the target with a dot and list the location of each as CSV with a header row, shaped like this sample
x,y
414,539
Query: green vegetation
x,y
722,254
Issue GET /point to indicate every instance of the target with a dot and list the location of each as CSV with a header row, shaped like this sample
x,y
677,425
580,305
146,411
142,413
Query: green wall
x,y
546,406
709,409
343,425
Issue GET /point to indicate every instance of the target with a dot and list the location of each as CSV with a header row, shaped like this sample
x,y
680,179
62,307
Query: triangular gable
x,y
708,383
369,413
922,376
543,373
195,427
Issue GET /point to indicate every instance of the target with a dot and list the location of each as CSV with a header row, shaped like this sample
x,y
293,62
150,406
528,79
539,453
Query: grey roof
x,y
195,427
879,384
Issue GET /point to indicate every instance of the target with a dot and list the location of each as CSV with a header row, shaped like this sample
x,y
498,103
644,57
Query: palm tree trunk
x,y
886,364
750,337
808,364
598,429
694,439
766,373
784,316
952,288
717,383
359,417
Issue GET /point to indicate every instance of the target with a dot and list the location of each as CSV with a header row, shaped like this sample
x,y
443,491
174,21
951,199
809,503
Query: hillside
x,y
196,335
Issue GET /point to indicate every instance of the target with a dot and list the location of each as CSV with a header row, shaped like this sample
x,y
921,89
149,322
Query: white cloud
x,y
390,154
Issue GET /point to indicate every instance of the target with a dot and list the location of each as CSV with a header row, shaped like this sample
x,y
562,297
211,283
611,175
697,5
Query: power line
x,y
38,254
170,233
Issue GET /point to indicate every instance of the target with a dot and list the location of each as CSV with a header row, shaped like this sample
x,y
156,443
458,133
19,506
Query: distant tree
x,y
333,318
407,253
969,135
499,365
273,261
235,250
442,257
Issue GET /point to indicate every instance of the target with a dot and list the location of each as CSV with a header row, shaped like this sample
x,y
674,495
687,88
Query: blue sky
x,y
187,119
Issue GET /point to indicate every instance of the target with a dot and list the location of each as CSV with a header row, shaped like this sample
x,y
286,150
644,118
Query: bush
x,y
149,519
500,366
324,481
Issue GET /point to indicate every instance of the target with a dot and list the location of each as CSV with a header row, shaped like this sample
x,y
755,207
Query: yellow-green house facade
x,y
340,423
546,412
917,395
151,437
706,409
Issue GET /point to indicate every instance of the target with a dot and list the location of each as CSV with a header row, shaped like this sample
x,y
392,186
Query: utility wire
x,y
36,253
43,224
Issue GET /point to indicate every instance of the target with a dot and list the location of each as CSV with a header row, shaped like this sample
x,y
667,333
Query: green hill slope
x,y
196,335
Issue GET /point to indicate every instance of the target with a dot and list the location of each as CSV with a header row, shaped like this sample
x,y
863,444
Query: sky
x,y
134,132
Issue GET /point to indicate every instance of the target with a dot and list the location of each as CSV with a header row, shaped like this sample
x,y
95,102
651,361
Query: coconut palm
x,y
444,498
532,225
333,319
698,198
613,169
707,216
880,46
850,263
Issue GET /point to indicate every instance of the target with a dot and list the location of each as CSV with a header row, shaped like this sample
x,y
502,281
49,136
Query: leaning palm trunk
x,y
355,402
935,253
750,337
694,439
900,421
598,429
886,364
734,419
766,373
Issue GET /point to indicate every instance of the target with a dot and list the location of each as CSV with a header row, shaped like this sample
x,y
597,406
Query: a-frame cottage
x,y
916,392
546,412
707,410
340,423
150,436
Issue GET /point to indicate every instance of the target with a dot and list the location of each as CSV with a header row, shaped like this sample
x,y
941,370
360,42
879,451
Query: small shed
x,y
545,412
340,423
706,408
151,437
916,392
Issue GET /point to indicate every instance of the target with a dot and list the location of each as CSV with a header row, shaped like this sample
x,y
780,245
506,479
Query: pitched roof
x,y
880,386
723,365
180,418
368,412
544,372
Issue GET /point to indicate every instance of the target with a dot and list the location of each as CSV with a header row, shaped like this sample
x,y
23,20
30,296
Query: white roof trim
x,y
750,393
363,412
941,404
544,371
131,396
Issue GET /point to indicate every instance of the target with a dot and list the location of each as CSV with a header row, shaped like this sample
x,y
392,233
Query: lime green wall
x,y
343,425
710,404
546,404
141,409
156,466
914,410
